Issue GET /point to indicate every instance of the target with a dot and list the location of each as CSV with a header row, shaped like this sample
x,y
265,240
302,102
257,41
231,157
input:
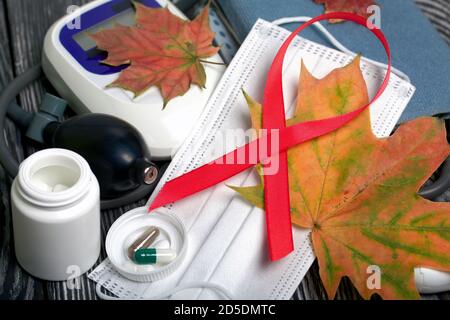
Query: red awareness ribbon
x,y
276,190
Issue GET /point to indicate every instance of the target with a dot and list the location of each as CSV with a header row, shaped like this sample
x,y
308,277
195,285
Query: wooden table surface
x,y
23,24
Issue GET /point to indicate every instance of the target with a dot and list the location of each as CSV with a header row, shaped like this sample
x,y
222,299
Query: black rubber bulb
x,y
113,148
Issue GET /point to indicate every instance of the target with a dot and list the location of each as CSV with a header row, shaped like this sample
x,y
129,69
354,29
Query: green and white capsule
x,y
154,255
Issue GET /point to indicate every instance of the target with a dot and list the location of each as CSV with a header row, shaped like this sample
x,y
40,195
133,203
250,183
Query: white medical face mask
x,y
227,236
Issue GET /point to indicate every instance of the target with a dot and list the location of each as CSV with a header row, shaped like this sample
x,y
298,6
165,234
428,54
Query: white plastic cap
x,y
130,227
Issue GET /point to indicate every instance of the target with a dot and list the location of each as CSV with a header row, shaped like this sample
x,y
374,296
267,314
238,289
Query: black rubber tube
x,y
441,185
8,95
19,116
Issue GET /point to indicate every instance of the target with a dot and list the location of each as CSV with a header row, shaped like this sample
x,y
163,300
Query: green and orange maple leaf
x,y
358,194
162,49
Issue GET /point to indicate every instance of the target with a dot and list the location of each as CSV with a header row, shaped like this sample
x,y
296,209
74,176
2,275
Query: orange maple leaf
x,y
162,49
358,194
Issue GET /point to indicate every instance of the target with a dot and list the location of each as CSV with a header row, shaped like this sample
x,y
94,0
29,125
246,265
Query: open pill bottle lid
x,y
129,227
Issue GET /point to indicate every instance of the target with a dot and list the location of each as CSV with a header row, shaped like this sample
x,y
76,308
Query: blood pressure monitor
x,y
73,65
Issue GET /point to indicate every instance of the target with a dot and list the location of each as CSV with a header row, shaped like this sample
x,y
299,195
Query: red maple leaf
x,y
162,49
354,6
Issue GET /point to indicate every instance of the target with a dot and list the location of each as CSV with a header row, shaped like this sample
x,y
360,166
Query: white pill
x,y
42,186
59,188
162,244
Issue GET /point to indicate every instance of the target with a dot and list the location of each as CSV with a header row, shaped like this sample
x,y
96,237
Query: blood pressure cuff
x,y
417,48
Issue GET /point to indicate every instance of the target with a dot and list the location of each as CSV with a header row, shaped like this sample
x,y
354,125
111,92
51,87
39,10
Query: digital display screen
x,y
126,18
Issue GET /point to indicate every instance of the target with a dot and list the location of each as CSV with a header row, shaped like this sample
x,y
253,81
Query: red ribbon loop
x,y
276,189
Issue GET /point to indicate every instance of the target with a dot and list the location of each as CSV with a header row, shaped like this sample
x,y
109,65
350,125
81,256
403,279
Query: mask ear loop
x,y
338,44
166,295
195,285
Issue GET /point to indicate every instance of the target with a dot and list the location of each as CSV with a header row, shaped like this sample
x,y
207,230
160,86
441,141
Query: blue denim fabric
x,y
417,48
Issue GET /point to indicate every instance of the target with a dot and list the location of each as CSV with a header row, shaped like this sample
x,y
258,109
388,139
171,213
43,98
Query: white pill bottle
x,y
56,215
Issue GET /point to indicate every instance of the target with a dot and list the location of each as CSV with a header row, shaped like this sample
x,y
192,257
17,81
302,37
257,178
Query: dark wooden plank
x,y
29,21
14,283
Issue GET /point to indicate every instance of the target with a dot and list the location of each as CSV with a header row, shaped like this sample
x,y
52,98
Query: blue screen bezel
x,y
106,11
